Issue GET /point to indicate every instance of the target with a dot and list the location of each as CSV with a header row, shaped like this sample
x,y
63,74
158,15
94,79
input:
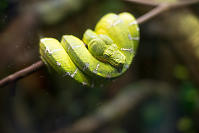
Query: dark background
x,y
158,94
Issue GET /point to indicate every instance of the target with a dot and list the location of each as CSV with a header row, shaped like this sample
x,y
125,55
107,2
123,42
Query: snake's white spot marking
x,y
47,50
58,63
86,66
126,66
101,35
92,36
117,22
75,72
68,49
51,52
66,74
54,50
95,70
97,66
45,63
138,29
133,23
45,39
76,46
127,49
108,75
136,38
84,83
130,37
109,21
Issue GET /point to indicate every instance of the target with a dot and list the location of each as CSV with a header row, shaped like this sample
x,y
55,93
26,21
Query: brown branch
x,y
36,66
156,11
143,2
152,3
162,8
22,73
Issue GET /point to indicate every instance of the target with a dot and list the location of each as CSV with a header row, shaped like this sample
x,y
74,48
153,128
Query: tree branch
x,y
22,73
156,11
151,3
143,2
161,8
36,66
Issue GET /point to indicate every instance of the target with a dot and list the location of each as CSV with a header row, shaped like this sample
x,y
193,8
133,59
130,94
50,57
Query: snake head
x,y
113,55
102,47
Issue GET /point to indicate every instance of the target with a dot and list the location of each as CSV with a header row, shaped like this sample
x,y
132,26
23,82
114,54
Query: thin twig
x,y
156,11
152,3
162,8
144,2
22,73
36,66
184,3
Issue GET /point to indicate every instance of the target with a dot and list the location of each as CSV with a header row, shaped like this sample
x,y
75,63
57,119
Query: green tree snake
x,y
102,54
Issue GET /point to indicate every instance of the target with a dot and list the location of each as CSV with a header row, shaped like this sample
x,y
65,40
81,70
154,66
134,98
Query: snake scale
x,y
102,54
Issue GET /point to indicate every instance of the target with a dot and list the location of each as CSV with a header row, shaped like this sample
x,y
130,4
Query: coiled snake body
x,y
111,48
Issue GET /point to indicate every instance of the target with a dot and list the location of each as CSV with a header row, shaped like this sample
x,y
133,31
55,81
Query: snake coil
x,y
104,53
